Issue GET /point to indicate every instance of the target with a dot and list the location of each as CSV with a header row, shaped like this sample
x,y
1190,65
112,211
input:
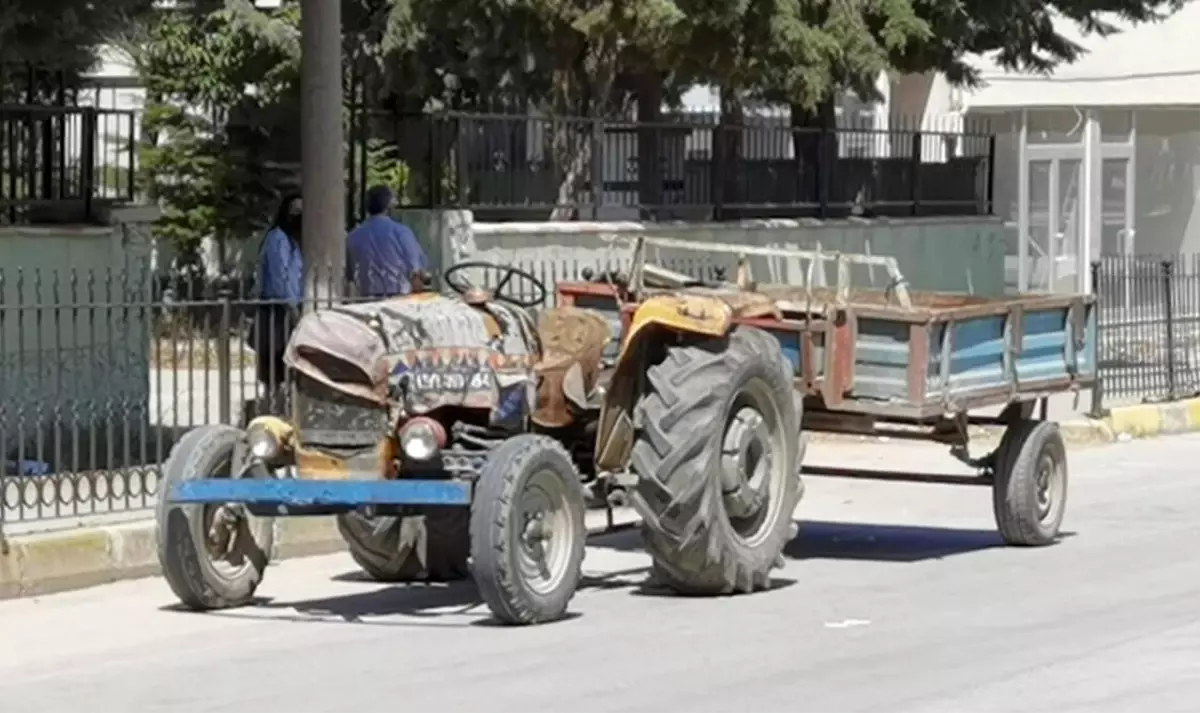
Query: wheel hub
x,y
536,529
1045,487
543,554
747,459
223,530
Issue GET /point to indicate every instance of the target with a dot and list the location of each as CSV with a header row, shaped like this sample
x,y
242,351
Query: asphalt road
x,y
915,608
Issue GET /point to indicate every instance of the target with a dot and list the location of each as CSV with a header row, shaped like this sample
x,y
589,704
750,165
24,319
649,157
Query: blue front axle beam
x,y
290,493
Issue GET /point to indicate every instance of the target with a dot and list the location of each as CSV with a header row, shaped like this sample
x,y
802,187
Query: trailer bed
x,y
888,353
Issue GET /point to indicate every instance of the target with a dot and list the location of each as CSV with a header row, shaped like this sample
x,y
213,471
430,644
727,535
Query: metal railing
x,y
102,371
1149,328
688,166
57,164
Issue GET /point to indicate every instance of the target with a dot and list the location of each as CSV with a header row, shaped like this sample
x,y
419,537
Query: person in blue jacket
x,y
383,257
281,279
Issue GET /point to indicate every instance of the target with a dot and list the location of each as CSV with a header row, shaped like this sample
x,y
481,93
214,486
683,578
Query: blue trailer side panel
x,y
881,360
980,358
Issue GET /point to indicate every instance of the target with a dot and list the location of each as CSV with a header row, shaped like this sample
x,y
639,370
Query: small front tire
x,y
528,532
1029,495
212,556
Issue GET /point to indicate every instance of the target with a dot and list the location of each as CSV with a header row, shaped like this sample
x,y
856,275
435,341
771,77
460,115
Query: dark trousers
x,y
273,326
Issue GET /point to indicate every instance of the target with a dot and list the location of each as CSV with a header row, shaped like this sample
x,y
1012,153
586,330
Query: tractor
x,y
463,434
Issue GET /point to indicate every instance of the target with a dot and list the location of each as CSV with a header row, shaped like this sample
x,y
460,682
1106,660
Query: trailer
x,y
875,360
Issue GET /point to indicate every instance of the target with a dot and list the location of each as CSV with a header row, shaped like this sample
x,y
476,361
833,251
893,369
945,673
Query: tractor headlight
x,y
263,444
421,438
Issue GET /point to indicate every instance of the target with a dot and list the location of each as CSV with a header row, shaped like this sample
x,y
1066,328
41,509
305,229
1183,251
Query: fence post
x,y
224,368
1168,269
597,167
991,176
914,187
1097,410
827,154
87,159
716,174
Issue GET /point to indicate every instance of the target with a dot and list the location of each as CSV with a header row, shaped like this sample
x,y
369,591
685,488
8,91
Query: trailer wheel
x,y
212,556
1029,495
528,531
431,545
718,459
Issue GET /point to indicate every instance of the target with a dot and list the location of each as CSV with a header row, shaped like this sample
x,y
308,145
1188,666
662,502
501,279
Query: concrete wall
x,y
945,254
74,339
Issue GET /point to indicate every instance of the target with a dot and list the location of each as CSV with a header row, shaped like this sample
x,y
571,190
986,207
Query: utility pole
x,y
322,163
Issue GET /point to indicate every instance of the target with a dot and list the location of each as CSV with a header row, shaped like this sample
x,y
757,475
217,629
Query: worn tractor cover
x,y
420,352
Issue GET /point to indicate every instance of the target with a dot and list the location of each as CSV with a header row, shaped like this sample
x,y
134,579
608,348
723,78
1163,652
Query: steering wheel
x,y
507,273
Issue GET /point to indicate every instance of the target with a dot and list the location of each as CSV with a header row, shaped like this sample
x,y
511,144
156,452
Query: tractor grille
x,y
328,417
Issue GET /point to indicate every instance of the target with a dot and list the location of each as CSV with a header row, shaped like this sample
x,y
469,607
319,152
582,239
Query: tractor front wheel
x,y
528,531
212,556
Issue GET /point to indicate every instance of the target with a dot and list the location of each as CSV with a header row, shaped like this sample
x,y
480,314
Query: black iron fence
x,y
1149,327
690,167
60,164
102,371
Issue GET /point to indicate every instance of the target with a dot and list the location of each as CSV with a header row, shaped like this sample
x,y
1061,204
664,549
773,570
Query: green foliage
x,y
64,34
384,167
211,79
229,60
1020,35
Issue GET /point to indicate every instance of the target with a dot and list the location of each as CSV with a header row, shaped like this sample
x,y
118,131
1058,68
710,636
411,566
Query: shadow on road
x,y
885,543
453,604
861,541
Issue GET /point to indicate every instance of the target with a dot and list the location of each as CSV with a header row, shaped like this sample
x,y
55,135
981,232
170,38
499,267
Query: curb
x,y
58,561
63,560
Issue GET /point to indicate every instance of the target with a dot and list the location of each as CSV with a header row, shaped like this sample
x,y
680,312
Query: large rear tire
x,y
212,556
430,546
718,459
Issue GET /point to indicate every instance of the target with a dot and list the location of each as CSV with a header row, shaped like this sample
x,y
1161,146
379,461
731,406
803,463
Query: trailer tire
x,y
528,530
702,395
1029,494
431,545
201,580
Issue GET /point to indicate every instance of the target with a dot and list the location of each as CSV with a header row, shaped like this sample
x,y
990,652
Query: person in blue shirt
x,y
280,279
383,257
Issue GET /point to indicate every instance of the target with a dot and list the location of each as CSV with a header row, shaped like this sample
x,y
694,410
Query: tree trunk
x,y
592,93
650,140
813,143
727,154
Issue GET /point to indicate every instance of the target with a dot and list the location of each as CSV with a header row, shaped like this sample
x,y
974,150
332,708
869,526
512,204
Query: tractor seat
x,y
573,341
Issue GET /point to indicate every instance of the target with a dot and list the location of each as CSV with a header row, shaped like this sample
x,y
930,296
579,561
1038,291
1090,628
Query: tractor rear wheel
x,y
429,546
718,459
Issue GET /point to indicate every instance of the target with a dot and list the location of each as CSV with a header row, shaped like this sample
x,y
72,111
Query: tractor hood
x,y
423,351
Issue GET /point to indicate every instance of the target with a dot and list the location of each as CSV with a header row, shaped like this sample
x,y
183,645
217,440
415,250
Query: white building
x,y
1102,157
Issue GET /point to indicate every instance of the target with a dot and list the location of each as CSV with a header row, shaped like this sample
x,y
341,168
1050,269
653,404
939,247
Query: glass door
x,y
1117,234
1053,239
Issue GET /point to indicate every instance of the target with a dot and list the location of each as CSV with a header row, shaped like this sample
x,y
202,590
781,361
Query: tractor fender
x,y
659,317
